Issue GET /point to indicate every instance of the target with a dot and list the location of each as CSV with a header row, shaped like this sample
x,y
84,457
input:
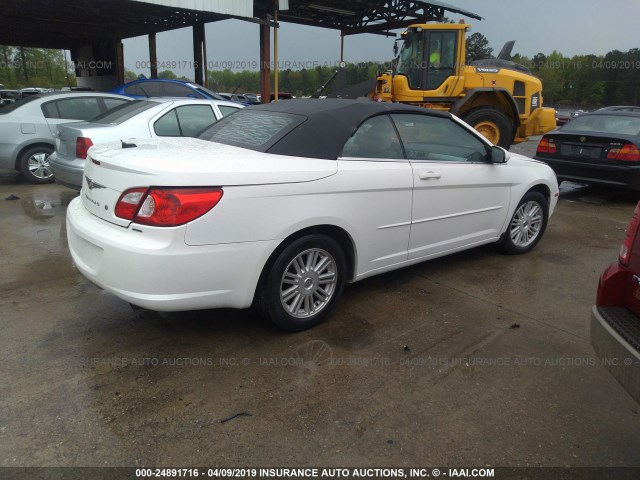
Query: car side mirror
x,y
498,155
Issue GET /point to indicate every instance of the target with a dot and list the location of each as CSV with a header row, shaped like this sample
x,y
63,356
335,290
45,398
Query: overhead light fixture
x,y
324,8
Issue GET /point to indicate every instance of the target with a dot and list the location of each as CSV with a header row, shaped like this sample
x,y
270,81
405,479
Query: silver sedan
x,y
27,127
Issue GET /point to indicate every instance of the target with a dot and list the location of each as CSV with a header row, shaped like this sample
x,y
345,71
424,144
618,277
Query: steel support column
x,y
119,63
153,55
198,53
265,63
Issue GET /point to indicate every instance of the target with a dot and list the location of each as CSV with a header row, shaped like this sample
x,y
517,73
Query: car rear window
x,y
206,93
253,129
613,124
124,112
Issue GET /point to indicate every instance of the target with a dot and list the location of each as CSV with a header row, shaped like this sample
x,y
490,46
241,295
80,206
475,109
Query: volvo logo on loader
x,y
487,70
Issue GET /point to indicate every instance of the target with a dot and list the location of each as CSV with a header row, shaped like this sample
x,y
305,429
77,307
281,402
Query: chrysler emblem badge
x,y
91,184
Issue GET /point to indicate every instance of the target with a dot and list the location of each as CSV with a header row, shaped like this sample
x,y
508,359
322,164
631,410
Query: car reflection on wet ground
x,y
477,359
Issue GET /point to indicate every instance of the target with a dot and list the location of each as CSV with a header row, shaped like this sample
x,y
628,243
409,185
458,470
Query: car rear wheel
x,y
527,224
304,283
34,164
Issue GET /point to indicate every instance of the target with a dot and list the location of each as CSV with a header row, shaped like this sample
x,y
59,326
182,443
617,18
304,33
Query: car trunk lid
x,y
586,148
67,136
114,168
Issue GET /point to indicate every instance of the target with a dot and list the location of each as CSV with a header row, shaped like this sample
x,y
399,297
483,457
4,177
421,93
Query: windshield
x,y
410,57
614,124
123,112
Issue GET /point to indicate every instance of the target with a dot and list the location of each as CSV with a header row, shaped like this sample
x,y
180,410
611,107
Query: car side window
x,y
167,125
145,89
375,138
177,90
194,118
438,139
185,121
227,110
76,108
50,110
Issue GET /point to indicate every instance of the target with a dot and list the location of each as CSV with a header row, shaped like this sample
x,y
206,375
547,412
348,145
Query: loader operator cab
x,y
427,58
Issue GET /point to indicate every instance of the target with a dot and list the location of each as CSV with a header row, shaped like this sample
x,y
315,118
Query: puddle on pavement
x,y
40,206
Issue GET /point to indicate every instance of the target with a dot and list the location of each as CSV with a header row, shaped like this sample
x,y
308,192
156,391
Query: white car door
x,y
460,198
376,190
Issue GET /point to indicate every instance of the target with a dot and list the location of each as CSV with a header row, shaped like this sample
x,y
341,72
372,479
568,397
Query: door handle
x,y
428,175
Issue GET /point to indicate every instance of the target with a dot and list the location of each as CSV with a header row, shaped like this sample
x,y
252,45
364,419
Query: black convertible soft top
x,y
322,128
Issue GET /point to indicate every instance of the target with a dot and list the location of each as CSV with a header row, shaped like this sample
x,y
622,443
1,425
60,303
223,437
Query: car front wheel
x,y
527,225
34,165
304,283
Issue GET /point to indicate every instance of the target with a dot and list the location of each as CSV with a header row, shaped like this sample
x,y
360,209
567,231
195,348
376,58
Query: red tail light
x,y
628,153
83,144
166,207
546,145
630,236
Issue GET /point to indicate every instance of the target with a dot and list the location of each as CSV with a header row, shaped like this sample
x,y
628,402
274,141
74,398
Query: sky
x,y
572,27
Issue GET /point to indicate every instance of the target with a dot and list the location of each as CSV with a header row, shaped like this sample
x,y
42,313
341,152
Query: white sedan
x,y
150,118
279,205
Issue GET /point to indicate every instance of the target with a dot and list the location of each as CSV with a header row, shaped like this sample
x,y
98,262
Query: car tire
x,y
304,283
492,124
34,164
527,225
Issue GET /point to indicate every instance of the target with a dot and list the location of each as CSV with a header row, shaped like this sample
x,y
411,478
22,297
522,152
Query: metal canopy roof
x,y
72,23
362,16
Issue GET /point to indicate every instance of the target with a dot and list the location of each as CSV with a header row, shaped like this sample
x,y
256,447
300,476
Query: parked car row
x,y
28,127
564,115
10,96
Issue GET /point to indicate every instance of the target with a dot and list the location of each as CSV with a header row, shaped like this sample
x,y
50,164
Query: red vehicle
x,y
615,318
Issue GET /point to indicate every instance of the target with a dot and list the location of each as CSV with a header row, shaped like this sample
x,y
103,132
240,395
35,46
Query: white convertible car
x,y
279,205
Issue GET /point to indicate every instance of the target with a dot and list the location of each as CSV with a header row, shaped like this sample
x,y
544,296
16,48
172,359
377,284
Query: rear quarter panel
x,y
371,201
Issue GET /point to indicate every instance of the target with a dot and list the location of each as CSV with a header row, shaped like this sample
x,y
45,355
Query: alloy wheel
x,y
308,283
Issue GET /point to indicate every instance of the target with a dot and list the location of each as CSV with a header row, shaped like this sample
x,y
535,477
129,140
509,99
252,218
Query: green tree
x,y
478,47
129,76
168,74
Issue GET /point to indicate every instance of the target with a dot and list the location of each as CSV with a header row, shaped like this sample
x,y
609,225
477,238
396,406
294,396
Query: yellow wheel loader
x,y
499,98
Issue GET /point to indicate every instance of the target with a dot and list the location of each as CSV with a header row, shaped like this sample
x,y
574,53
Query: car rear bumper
x,y
612,175
66,173
615,335
153,268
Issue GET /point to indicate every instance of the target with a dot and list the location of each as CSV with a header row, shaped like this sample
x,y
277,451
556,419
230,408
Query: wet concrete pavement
x,y
477,359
